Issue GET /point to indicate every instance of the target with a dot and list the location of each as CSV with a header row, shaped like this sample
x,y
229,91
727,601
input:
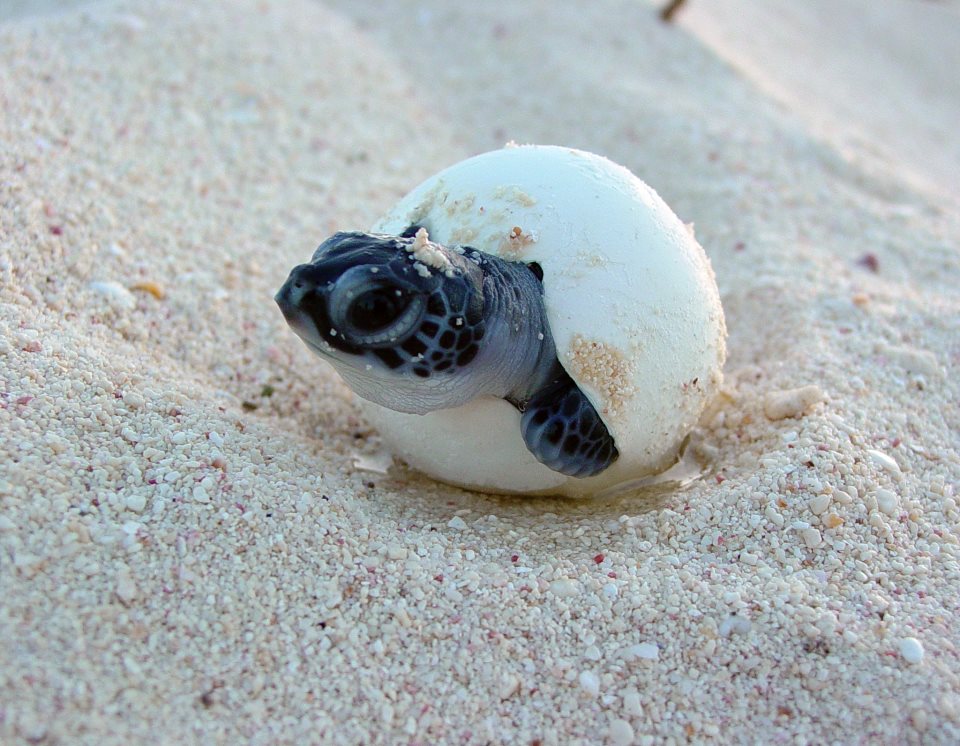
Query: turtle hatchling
x,y
531,320
416,326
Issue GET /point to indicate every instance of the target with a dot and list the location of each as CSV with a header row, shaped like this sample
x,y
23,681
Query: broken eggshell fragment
x,y
631,300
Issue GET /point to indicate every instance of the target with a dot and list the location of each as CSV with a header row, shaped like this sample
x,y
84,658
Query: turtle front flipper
x,y
563,430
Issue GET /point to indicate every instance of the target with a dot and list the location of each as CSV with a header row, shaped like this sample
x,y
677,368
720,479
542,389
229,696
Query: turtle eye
x,y
376,309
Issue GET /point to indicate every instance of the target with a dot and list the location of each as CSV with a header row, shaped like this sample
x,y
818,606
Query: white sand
x,y
178,567
879,84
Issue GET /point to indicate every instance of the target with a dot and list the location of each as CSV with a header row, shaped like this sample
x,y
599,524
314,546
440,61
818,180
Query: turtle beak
x,y
301,291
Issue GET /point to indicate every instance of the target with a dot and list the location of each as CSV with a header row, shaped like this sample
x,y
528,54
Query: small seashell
x,y
148,286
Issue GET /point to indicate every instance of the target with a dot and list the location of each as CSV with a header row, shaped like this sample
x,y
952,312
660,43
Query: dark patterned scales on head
x,y
416,326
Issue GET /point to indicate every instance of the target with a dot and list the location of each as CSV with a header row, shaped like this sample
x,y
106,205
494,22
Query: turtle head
x,y
396,315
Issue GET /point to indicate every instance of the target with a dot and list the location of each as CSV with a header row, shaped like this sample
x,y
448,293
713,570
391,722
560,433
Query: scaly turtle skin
x,y
415,326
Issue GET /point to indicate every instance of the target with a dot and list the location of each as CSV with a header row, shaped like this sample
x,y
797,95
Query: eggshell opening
x,y
630,296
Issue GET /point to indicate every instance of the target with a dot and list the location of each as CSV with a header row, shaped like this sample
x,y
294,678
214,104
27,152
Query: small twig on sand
x,y
668,11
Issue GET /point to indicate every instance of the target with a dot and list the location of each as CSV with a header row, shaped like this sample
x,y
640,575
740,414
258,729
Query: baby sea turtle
x,y
416,326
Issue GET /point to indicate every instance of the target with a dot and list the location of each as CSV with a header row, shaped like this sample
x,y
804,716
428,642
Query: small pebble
x,y
509,686
565,587
734,625
811,537
884,461
114,292
136,502
126,588
133,399
643,651
911,649
375,463
778,405
832,520
396,552
632,703
621,732
818,504
887,502
457,523
590,683
843,497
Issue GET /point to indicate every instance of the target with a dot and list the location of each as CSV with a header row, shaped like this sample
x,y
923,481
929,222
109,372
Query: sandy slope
x,y
876,80
187,550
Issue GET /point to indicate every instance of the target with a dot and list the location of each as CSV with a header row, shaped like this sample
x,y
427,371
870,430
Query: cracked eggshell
x,y
631,299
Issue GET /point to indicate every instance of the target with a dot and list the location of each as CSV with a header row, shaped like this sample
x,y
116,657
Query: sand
x,y
197,539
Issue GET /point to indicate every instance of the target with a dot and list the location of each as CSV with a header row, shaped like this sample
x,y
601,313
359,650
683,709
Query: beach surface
x,y
202,541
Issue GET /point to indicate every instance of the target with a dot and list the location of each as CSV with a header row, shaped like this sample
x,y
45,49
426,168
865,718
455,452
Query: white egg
x,y
631,301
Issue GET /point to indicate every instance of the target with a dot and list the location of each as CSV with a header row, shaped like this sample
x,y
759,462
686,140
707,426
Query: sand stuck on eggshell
x,y
428,253
201,538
